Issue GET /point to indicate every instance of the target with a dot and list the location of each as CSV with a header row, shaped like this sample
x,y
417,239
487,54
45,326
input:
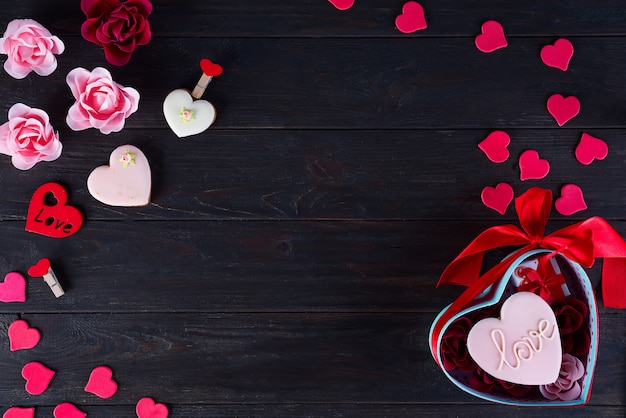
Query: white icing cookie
x,y
186,116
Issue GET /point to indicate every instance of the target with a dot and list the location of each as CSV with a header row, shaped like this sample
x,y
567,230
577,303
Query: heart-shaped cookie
x,y
187,116
590,148
68,410
22,336
570,201
558,55
412,18
532,167
147,408
37,377
562,108
13,289
50,215
495,146
17,412
491,37
101,382
498,198
126,181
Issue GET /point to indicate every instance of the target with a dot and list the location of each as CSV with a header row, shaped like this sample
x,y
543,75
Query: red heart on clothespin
x,y
51,218
210,68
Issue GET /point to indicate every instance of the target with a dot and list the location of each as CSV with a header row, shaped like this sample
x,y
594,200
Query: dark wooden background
x,y
287,264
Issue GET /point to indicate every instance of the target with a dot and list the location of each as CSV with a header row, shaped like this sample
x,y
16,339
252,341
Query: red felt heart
x,y
562,108
491,37
497,198
52,219
37,377
13,289
495,146
571,200
412,18
147,408
342,4
17,412
558,55
532,167
40,269
22,336
101,382
209,68
590,148
68,410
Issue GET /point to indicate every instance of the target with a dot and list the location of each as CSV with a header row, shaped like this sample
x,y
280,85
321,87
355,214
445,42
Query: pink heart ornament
x,y
13,289
532,167
495,146
342,4
412,18
491,37
68,410
590,148
22,336
570,201
101,382
497,198
37,377
558,55
17,412
126,181
147,408
563,109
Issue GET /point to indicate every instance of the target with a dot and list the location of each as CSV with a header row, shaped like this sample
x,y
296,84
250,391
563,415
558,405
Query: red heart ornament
x,y
412,18
37,377
532,167
68,410
571,200
558,55
562,108
39,269
590,148
210,68
147,408
491,37
495,146
101,382
497,198
56,220
13,289
17,412
22,336
342,4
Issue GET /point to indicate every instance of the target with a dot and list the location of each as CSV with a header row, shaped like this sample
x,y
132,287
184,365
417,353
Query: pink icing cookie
x,y
126,181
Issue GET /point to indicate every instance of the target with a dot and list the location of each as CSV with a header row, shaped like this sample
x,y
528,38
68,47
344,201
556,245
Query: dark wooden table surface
x,y
287,263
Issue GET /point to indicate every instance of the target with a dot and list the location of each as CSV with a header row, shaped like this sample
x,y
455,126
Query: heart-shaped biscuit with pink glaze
x,y
187,116
126,181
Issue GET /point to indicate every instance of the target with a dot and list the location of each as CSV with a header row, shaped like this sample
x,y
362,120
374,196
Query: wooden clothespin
x,y
209,70
43,269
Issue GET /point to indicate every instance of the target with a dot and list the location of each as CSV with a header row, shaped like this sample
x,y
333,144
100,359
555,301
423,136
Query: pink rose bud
x,y
30,47
566,387
28,137
101,103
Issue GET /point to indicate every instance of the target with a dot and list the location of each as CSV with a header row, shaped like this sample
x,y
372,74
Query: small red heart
x,y
412,18
40,269
17,412
571,200
101,382
495,146
342,4
22,336
68,410
497,198
532,167
491,37
13,289
209,68
562,108
52,219
147,408
558,55
37,377
591,148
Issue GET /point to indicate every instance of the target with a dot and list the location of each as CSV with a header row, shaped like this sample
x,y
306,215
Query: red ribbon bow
x,y
545,286
582,243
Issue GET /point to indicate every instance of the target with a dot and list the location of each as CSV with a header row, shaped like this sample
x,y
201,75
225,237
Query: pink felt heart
x,y
558,55
412,18
39,269
37,377
523,346
210,68
562,108
532,167
22,336
590,148
491,37
495,146
571,200
13,289
497,198
147,408
17,412
101,382
342,4
68,410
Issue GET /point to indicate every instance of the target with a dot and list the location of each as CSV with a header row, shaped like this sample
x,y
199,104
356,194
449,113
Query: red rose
x,y
570,315
117,26
454,346
484,382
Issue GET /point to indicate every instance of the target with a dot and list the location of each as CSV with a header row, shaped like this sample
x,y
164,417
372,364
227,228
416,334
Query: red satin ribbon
x,y
581,242
546,286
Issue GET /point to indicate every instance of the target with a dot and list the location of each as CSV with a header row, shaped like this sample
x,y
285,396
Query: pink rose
x,y
566,387
101,103
117,26
28,137
30,47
